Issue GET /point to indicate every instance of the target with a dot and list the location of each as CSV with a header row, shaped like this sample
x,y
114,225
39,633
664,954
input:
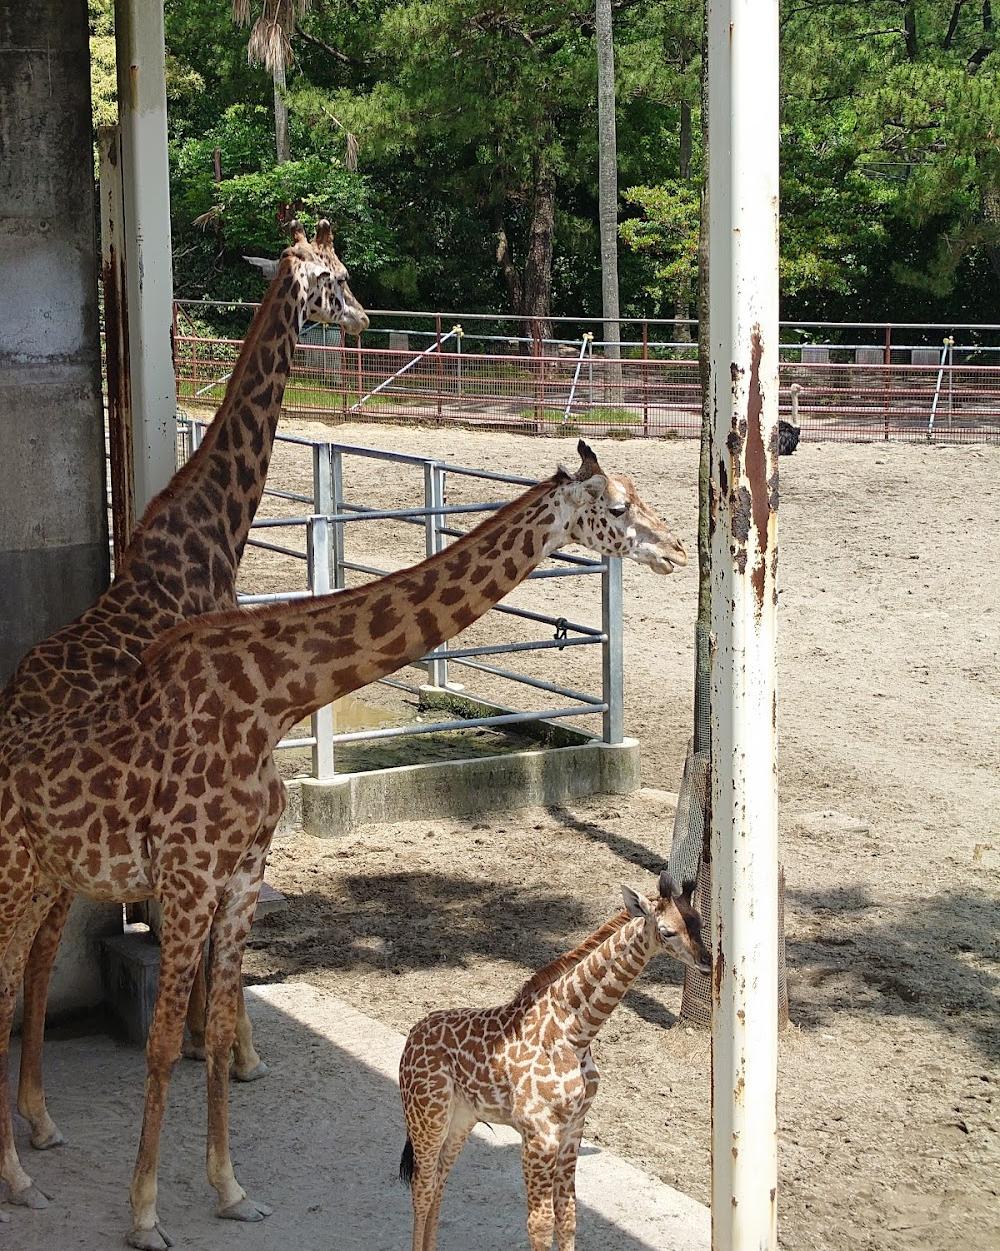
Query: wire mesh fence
x,y
536,377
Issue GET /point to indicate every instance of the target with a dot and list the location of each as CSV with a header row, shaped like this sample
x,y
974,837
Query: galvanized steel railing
x,y
327,566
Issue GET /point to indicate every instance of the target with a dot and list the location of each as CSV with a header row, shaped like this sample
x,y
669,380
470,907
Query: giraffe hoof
x,y
259,1070
46,1139
29,1197
245,1210
154,1239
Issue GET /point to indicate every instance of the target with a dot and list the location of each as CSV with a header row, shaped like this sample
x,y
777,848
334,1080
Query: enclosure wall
x,y
53,533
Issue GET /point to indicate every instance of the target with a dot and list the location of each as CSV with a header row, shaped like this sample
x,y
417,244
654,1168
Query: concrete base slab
x,y
319,1138
462,787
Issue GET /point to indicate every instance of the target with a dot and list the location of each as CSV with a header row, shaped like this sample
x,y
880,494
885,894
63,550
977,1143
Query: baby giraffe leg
x,y
462,1123
564,1189
538,1159
31,1090
229,933
427,1122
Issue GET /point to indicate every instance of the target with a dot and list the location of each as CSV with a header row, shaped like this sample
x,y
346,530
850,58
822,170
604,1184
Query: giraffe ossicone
x,y
164,786
528,1064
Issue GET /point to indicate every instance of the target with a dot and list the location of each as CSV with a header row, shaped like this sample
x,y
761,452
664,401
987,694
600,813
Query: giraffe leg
x,y
247,1064
564,1189
22,912
462,1123
180,952
31,1089
229,934
539,1153
194,1036
428,1117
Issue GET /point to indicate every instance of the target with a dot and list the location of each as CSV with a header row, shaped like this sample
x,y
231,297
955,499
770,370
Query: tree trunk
x,y
536,298
682,300
280,115
910,29
607,164
990,211
685,139
508,270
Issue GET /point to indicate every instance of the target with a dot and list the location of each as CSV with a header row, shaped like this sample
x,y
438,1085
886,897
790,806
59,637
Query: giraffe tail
x,y
406,1163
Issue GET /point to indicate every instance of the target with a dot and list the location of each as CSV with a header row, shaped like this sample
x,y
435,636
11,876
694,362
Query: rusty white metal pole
x,y
116,353
743,321
142,113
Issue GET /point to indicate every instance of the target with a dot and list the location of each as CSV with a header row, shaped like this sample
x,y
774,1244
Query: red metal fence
x,y
434,371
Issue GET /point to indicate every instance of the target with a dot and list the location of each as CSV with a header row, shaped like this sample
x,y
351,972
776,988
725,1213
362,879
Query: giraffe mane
x,y
555,969
175,486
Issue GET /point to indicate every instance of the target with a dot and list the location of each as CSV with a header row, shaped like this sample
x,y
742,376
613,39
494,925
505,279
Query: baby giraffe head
x,y
605,512
672,924
328,297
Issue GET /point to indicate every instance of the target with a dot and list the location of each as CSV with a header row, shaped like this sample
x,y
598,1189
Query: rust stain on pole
x,y
119,400
761,490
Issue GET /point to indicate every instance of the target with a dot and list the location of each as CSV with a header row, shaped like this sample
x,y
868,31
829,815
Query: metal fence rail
x,y
470,372
324,552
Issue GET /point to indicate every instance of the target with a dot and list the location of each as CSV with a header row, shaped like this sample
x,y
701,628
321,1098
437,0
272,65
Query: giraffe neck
x,y
276,665
589,992
208,506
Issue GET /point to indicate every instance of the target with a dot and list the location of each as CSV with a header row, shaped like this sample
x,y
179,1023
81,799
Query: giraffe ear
x,y
588,461
667,888
636,905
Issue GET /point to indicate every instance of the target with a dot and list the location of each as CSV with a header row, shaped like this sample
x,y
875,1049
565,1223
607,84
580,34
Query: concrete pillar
x,y
53,528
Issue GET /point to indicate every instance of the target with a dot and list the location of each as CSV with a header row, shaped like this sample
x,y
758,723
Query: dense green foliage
x,y
453,144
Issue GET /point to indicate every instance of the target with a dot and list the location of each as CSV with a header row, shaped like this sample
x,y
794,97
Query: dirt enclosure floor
x,y
889,669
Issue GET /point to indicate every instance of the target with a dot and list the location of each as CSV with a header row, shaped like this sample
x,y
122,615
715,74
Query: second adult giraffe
x,y
164,787
181,561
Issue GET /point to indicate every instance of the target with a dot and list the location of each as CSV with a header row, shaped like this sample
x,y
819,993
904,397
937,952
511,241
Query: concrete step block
x,y
130,969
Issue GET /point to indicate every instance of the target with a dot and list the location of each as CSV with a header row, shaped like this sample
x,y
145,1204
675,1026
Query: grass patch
x,y
591,417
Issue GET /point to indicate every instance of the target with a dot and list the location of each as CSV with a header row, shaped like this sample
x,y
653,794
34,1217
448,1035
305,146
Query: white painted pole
x,y
142,111
743,327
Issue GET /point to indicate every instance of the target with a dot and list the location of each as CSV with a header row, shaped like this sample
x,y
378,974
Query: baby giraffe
x,y
528,1064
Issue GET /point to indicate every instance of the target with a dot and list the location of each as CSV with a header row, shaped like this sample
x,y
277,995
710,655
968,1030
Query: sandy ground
x,y
889,666
297,1146
889,662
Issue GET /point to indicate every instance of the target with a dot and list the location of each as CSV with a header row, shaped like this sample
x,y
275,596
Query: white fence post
x,y
323,726
612,656
437,670
743,321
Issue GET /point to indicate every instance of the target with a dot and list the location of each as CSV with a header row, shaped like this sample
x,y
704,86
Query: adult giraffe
x,y
165,786
181,561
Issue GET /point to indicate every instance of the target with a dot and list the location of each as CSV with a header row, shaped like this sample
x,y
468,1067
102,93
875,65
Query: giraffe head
x,y
605,512
328,297
672,924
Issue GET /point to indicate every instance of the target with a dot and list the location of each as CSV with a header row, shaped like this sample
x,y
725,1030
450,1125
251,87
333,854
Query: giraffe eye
x,y
618,510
